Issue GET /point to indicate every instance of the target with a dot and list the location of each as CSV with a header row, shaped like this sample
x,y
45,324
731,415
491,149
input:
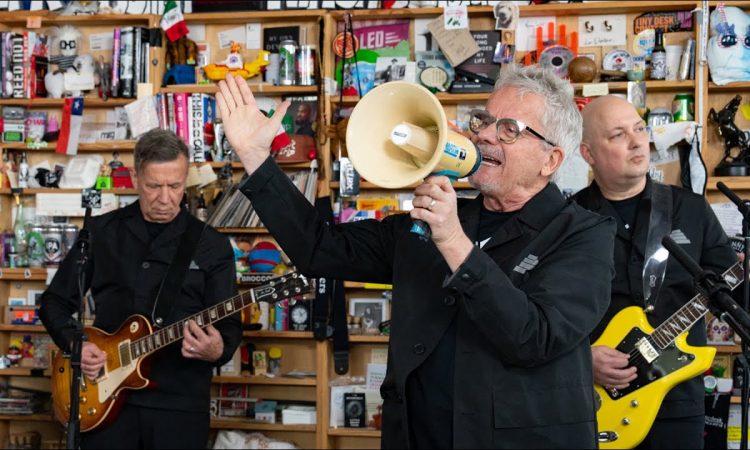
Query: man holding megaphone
x,y
491,315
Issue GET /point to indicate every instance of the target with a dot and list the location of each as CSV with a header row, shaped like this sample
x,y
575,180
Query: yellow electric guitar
x,y
663,358
134,341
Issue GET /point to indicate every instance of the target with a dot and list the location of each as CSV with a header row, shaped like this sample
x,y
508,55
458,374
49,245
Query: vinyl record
x,y
556,58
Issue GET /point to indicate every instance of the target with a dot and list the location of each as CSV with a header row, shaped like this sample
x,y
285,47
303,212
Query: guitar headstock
x,y
285,286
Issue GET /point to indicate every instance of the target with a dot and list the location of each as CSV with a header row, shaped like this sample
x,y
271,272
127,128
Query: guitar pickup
x,y
647,350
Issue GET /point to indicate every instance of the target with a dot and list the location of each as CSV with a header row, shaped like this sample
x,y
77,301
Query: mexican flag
x,y
172,22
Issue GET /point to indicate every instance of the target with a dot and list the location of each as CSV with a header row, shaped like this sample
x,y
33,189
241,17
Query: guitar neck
x,y
272,292
692,311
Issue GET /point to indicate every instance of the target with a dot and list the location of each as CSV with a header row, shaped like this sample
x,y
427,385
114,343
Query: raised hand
x,y
248,130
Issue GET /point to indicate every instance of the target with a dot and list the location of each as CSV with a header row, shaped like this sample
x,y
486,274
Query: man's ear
x,y
553,162
586,153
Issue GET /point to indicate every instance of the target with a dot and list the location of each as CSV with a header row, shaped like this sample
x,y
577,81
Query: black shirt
x,y
627,210
430,397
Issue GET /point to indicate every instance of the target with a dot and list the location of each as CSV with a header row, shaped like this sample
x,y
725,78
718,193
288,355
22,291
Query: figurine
x,y
75,72
234,65
734,138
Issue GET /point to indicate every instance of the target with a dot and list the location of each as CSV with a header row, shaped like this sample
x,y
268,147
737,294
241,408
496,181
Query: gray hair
x,y
562,121
158,145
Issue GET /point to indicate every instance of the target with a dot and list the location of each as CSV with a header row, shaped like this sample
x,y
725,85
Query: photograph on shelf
x,y
34,297
373,311
719,332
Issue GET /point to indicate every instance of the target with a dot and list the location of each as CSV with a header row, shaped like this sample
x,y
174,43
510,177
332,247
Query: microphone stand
x,y
74,422
744,208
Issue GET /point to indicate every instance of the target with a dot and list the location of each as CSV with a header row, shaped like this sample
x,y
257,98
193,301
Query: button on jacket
x,y
525,305
698,232
125,271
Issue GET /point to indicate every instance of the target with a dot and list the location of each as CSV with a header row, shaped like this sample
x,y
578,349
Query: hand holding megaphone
x,y
249,130
398,135
435,202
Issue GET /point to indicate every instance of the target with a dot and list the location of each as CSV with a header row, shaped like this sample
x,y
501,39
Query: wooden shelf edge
x,y
367,339
256,230
23,274
248,424
728,348
31,191
277,381
255,16
256,88
100,146
279,334
23,328
354,432
28,417
88,102
739,183
23,372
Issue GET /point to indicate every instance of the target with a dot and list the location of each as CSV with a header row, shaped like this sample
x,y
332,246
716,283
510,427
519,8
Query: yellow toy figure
x,y
234,65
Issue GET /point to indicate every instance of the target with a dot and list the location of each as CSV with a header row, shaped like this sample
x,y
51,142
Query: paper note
x,y
526,32
236,34
595,90
375,376
100,41
456,45
253,35
455,16
197,32
70,205
729,217
609,30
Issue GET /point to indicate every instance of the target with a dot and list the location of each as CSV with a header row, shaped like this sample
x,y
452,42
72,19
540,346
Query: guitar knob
x,y
61,369
91,411
625,421
83,399
634,404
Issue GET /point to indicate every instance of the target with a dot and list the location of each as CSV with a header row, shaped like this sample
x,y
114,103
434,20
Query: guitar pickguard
x,y
108,383
668,360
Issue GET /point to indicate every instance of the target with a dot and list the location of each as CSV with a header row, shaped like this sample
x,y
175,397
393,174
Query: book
x,y
478,73
433,70
273,36
127,88
195,127
17,65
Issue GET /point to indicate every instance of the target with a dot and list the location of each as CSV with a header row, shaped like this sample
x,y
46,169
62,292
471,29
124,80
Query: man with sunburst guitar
x,y
132,283
649,352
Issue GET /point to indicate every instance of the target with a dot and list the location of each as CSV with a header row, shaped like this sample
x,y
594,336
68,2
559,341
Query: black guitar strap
x,y
170,285
329,307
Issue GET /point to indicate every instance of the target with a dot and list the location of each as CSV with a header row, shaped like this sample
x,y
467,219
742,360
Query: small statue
x,y
735,163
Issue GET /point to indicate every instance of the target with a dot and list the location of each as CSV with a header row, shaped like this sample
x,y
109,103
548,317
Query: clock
x,y
300,315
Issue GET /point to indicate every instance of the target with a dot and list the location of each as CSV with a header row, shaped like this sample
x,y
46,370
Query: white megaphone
x,y
398,135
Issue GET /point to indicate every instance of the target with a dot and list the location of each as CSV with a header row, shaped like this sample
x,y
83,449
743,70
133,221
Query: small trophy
x,y
736,160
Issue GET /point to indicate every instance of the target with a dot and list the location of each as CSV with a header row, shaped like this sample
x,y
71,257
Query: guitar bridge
x,y
646,350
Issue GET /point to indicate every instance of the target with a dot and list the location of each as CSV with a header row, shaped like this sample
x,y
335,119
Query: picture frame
x,y
373,311
34,297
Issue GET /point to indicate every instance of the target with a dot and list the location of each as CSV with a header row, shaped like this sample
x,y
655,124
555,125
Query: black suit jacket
x,y
125,271
524,304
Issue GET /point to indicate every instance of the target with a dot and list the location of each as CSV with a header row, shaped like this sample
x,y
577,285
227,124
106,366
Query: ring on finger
x,y
432,204
191,349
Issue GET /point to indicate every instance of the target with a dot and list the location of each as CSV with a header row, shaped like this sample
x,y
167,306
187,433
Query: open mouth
x,y
490,161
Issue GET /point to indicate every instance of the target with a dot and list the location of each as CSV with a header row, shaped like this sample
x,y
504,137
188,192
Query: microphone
x,y
713,285
741,205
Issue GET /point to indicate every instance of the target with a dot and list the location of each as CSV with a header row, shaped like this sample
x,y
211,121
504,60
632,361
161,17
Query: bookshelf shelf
x,y
259,88
24,372
88,102
367,339
279,334
256,230
101,146
244,423
354,432
28,417
23,328
31,191
739,183
731,87
18,18
279,381
23,274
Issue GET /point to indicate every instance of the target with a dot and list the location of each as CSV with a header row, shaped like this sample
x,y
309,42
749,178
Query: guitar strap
x,y
659,225
178,268
329,307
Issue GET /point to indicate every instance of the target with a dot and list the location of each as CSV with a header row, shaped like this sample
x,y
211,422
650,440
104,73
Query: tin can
x,y
287,62
69,235
13,260
52,245
683,107
306,65
35,246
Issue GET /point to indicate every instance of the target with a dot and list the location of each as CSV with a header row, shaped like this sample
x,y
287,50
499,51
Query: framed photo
x,y
372,310
34,297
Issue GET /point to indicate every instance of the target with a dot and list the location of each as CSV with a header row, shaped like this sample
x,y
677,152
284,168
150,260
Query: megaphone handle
x,y
421,228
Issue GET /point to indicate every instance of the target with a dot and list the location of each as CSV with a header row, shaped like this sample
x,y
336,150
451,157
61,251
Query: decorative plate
x,y
557,58
617,59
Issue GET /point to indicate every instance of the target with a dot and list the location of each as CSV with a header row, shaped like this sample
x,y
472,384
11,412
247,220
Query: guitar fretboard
x,y
692,311
275,290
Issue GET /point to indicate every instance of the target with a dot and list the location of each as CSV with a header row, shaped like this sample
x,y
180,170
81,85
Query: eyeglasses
x,y
508,130
64,45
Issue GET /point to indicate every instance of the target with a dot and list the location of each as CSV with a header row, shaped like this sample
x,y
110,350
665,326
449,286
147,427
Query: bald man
x,y
616,146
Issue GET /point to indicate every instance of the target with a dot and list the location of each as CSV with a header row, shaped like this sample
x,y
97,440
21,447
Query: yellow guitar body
x,y
628,419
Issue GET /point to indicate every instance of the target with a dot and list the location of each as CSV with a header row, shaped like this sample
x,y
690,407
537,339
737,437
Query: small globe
x,y
582,70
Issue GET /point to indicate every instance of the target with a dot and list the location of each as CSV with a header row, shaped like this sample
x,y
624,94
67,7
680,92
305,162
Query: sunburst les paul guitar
x,y
663,360
133,342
